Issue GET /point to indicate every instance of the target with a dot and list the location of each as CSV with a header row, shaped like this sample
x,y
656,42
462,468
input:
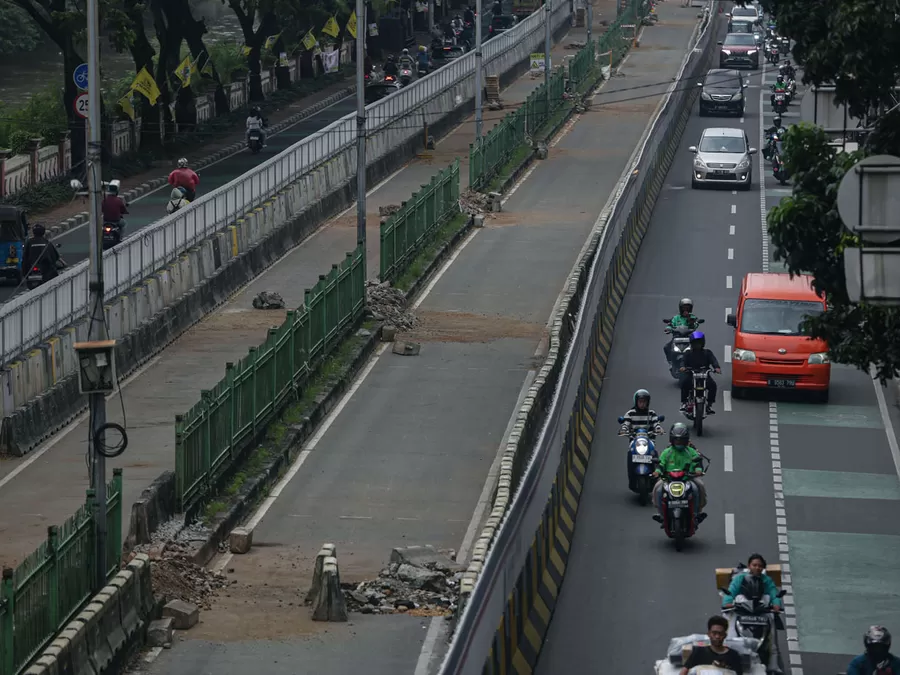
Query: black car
x,y
448,52
501,24
379,90
722,92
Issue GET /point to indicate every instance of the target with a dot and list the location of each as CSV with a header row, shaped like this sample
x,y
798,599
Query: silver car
x,y
723,157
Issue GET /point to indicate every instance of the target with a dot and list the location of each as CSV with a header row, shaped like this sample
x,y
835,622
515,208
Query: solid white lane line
x,y
729,281
731,230
727,353
886,422
729,458
726,400
731,254
440,273
733,209
729,529
423,665
727,312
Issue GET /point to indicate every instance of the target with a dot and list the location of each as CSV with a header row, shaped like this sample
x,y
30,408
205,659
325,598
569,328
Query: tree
x,y
18,33
852,44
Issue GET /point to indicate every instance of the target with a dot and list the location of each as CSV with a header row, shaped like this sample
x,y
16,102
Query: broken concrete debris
x,y
240,540
160,632
475,203
268,300
184,615
388,211
419,580
388,304
327,551
406,348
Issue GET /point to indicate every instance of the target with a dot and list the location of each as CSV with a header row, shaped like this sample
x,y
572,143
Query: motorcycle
x,y
680,342
779,102
405,76
112,234
680,515
254,141
750,618
35,277
772,55
778,170
421,70
390,78
641,457
695,408
772,143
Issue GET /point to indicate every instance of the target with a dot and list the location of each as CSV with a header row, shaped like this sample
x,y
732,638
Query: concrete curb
x,y
233,149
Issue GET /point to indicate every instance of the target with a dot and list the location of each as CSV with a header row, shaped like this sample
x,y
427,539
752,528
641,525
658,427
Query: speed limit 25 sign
x,y
81,105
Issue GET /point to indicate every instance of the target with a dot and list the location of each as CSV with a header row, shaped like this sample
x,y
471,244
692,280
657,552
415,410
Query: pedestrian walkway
x,y
404,460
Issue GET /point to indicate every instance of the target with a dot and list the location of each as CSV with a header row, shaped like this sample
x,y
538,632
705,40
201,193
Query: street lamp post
x,y
361,32
479,86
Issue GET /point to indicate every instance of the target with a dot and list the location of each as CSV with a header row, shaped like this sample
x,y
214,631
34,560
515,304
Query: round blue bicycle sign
x,y
80,76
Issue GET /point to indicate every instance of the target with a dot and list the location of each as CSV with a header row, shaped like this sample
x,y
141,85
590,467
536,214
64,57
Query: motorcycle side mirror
x,y
720,43
667,321
621,420
662,418
731,320
699,321
782,593
723,591
699,84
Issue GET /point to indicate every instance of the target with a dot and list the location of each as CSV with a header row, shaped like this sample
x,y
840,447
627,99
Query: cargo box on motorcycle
x,y
680,650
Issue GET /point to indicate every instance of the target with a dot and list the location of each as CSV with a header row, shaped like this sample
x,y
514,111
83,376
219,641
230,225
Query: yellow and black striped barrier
x,y
529,608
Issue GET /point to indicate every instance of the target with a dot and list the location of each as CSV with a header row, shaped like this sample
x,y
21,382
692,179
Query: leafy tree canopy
x,y
18,33
854,45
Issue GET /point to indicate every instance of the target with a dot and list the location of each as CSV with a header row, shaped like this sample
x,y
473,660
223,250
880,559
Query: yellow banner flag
x,y
184,71
127,104
245,50
309,41
207,69
331,28
271,40
145,84
351,25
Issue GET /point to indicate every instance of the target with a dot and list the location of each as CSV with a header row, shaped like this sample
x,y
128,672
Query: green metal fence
x,y
488,154
409,230
617,40
212,434
54,583
581,65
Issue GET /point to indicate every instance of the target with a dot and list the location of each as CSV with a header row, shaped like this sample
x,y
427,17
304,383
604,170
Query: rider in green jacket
x,y
683,319
681,455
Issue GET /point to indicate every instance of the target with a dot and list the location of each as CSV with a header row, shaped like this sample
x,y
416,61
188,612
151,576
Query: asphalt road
x,y
404,460
151,207
808,485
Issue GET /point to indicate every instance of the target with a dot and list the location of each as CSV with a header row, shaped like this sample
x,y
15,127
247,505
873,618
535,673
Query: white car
x,y
722,157
749,13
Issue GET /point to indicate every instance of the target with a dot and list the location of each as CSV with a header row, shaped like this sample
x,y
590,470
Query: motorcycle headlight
x,y
726,52
641,446
743,355
819,359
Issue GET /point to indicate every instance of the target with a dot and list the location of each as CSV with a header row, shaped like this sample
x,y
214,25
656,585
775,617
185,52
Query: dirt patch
x,y
242,321
532,217
630,108
464,327
348,220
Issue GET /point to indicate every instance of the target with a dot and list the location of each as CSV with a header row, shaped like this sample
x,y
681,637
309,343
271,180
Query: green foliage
x,y
808,235
42,117
18,32
228,59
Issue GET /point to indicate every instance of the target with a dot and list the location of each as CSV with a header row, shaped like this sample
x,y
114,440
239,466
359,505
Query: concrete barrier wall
x,y
40,390
101,636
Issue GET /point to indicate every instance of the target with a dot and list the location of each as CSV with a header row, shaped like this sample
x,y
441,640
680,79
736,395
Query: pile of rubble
x,y
419,580
388,211
174,574
386,303
475,203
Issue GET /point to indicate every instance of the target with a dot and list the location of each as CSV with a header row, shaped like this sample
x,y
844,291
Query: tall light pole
x,y
590,19
430,17
362,28
479,86
97,325
547,51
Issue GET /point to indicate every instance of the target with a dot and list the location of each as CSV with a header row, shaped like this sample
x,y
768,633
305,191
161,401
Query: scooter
x,y
680,514
749,618
695,408
641,457
772,55
405,77
680,342
778,170
779,102
254,141
112,234
35,277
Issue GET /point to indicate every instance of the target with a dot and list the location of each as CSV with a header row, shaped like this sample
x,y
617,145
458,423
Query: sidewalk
x,y
406,461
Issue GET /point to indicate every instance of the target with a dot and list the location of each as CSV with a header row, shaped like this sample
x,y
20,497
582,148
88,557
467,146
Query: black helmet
x,y
679,435
878,644
698,339
255,110
777,121
642,393
39,230
685,304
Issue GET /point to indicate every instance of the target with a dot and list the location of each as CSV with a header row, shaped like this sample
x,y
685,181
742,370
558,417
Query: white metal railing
x,y
31,317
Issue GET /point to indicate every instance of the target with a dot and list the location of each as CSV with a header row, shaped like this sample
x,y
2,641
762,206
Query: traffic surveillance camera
x,y
96,366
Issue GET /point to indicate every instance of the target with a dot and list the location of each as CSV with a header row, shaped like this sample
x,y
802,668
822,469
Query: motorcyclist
x,y
40,253
423,60
698,357
113,206
779,87
877,659
497,8
457,23
256,122
390,66
186,178
469,15
757,586
641,416
789,71
716,653
684,318
777,126
176,201
680,455
406,60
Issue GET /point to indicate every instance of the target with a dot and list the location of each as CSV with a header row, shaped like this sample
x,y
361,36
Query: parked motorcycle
x,y
695,408
254,141
642,455
680,342
751,618
112,234
680,513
